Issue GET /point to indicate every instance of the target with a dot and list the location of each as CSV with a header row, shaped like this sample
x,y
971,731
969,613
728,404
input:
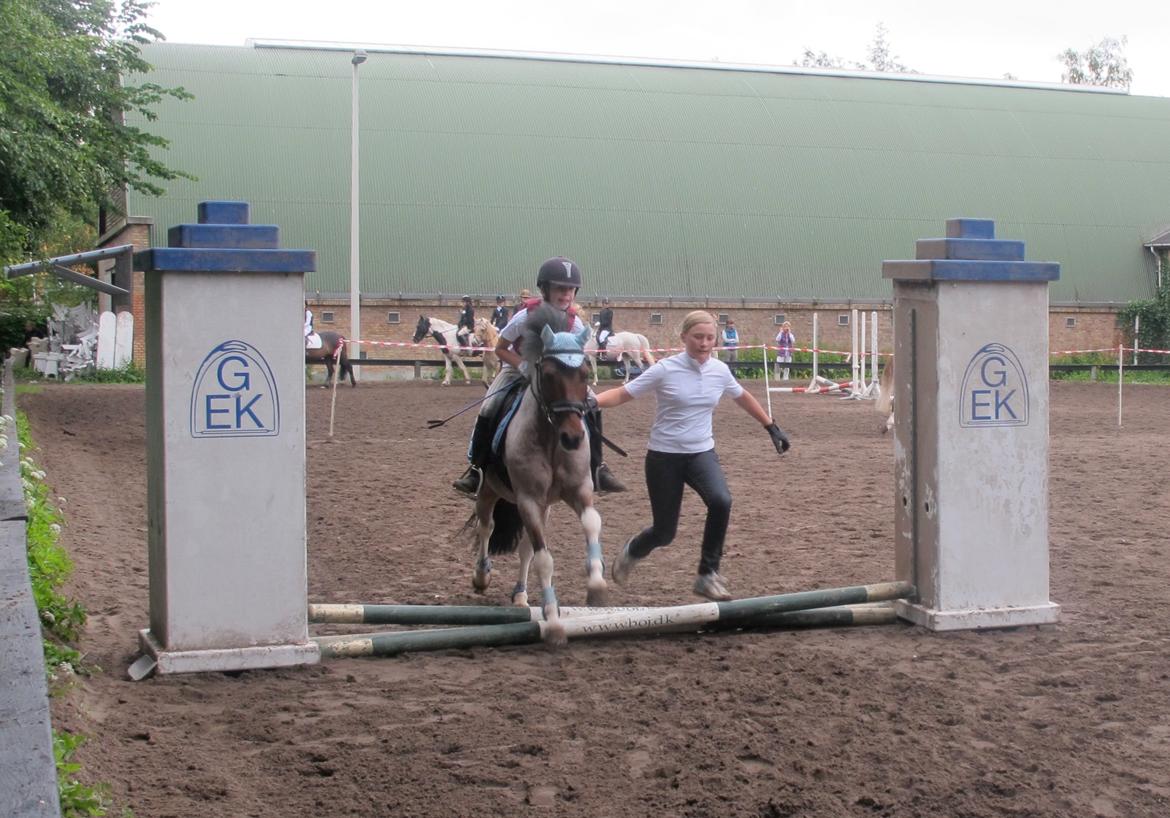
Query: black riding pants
x,y
666,474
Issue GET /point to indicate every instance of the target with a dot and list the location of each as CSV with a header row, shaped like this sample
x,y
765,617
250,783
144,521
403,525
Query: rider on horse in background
x,y
465,326
604,324
312,339
558,280
500,313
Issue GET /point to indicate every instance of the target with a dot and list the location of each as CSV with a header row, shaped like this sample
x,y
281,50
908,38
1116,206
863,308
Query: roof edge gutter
x,y
554,56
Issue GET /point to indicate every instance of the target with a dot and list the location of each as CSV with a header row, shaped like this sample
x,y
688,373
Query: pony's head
x,y
421,328
556,361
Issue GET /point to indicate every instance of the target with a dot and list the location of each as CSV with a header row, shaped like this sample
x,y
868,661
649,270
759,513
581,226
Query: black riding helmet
x,y
559,270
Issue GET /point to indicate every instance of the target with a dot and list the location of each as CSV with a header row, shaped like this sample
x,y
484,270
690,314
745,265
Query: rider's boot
x,y
477,451
604,480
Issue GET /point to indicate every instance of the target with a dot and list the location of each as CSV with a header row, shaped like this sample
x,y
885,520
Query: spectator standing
x,y
785,343
729,338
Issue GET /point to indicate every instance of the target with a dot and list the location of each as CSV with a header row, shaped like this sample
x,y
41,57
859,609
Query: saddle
x,y
505,410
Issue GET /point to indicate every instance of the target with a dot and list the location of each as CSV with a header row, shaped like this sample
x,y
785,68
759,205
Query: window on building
x,y
778,319
843,319
723,318
655,319
1070,322
327,317
596,318
393,318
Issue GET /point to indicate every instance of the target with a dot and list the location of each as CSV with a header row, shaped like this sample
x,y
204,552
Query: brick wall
x,y
757,322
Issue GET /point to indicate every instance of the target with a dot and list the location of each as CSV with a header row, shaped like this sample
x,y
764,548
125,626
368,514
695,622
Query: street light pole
x,y
355,291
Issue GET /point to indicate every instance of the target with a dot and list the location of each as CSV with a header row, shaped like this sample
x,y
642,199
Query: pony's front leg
x,y
629,361
534,518
595,586
520,591
463,369
485,504
446,369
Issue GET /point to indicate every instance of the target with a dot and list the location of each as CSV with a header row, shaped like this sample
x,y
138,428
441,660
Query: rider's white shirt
x,y
687,393
515,328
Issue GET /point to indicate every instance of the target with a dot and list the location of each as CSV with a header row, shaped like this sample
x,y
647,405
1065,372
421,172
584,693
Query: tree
x,y
1153,316
1101,64
878,53
65,148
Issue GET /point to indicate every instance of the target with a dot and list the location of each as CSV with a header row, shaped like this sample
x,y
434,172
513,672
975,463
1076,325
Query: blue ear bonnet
x,y
566,347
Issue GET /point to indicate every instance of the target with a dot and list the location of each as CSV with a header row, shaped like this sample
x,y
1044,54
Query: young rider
x,y
604,323
500,313
466,324
558,280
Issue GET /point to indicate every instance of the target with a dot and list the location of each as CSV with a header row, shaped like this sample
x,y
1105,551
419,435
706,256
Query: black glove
x,y
779,439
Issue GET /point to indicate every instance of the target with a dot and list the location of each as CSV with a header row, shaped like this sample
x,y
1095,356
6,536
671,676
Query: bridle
x,y
550,409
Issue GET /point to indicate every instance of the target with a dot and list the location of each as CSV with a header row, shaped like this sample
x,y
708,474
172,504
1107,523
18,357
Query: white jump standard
x,y
971,430
225,399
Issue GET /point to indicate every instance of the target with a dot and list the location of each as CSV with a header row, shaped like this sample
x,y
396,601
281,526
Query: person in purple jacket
x,y
681,450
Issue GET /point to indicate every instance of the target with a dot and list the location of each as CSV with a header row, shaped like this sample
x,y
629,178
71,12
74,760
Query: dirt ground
x,y
1067,720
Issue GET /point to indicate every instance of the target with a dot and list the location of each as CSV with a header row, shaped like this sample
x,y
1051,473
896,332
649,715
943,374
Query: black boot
x,y
603,479
477,455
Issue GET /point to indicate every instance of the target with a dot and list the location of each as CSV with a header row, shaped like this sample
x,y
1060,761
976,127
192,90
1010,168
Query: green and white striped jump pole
x,y
649,620
365,614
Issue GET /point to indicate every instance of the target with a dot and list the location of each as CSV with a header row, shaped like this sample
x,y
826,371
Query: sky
x,y
986,40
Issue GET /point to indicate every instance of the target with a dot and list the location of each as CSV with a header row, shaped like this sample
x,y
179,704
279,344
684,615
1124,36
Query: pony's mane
x,y
546,315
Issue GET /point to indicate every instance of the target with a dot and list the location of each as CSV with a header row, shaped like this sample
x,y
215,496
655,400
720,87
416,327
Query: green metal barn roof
x,y
658,180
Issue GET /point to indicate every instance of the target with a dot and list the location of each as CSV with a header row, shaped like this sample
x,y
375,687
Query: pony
x,y
486,335
444,335
327,352
623,348
885,400
545,458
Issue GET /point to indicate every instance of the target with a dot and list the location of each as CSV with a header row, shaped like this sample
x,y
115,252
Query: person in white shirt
x,y
681,450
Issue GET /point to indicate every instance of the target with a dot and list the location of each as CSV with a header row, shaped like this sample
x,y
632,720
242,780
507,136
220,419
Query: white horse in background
x,y
623,348
486,335
443,333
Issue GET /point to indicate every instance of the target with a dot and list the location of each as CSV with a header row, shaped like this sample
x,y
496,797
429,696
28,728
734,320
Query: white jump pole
x,y
1120,379
873,354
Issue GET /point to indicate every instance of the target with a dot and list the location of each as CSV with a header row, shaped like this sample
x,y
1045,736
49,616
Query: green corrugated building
x,y
661,180
770,193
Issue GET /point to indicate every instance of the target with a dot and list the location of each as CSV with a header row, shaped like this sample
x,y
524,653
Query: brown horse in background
x,y
327,353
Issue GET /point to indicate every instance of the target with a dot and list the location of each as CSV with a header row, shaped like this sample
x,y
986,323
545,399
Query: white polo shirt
x,y
687,393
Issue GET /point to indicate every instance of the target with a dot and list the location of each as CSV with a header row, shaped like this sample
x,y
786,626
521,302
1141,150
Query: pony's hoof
x,y
520,600
480,580
596,597
554,635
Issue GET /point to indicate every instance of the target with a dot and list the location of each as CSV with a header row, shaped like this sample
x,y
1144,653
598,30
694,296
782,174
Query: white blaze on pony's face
x,y
699,340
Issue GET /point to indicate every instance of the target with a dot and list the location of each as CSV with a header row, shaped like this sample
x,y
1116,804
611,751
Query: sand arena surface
x,y
1070,720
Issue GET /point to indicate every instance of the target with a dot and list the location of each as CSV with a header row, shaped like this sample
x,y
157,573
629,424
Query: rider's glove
x,y
779,439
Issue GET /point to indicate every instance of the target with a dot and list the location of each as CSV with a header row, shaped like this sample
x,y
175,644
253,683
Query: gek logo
x,y
234,394
995,389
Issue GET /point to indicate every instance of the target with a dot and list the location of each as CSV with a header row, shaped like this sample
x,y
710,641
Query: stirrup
x,y
469,482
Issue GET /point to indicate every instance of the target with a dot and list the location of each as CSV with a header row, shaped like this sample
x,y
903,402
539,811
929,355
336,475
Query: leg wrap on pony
x,y
603,478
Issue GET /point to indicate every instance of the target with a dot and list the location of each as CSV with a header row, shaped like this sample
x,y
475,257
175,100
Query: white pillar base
x,y
977,618
221,659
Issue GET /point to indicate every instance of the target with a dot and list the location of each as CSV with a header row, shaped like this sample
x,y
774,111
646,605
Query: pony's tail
x,y
508,528
645,342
